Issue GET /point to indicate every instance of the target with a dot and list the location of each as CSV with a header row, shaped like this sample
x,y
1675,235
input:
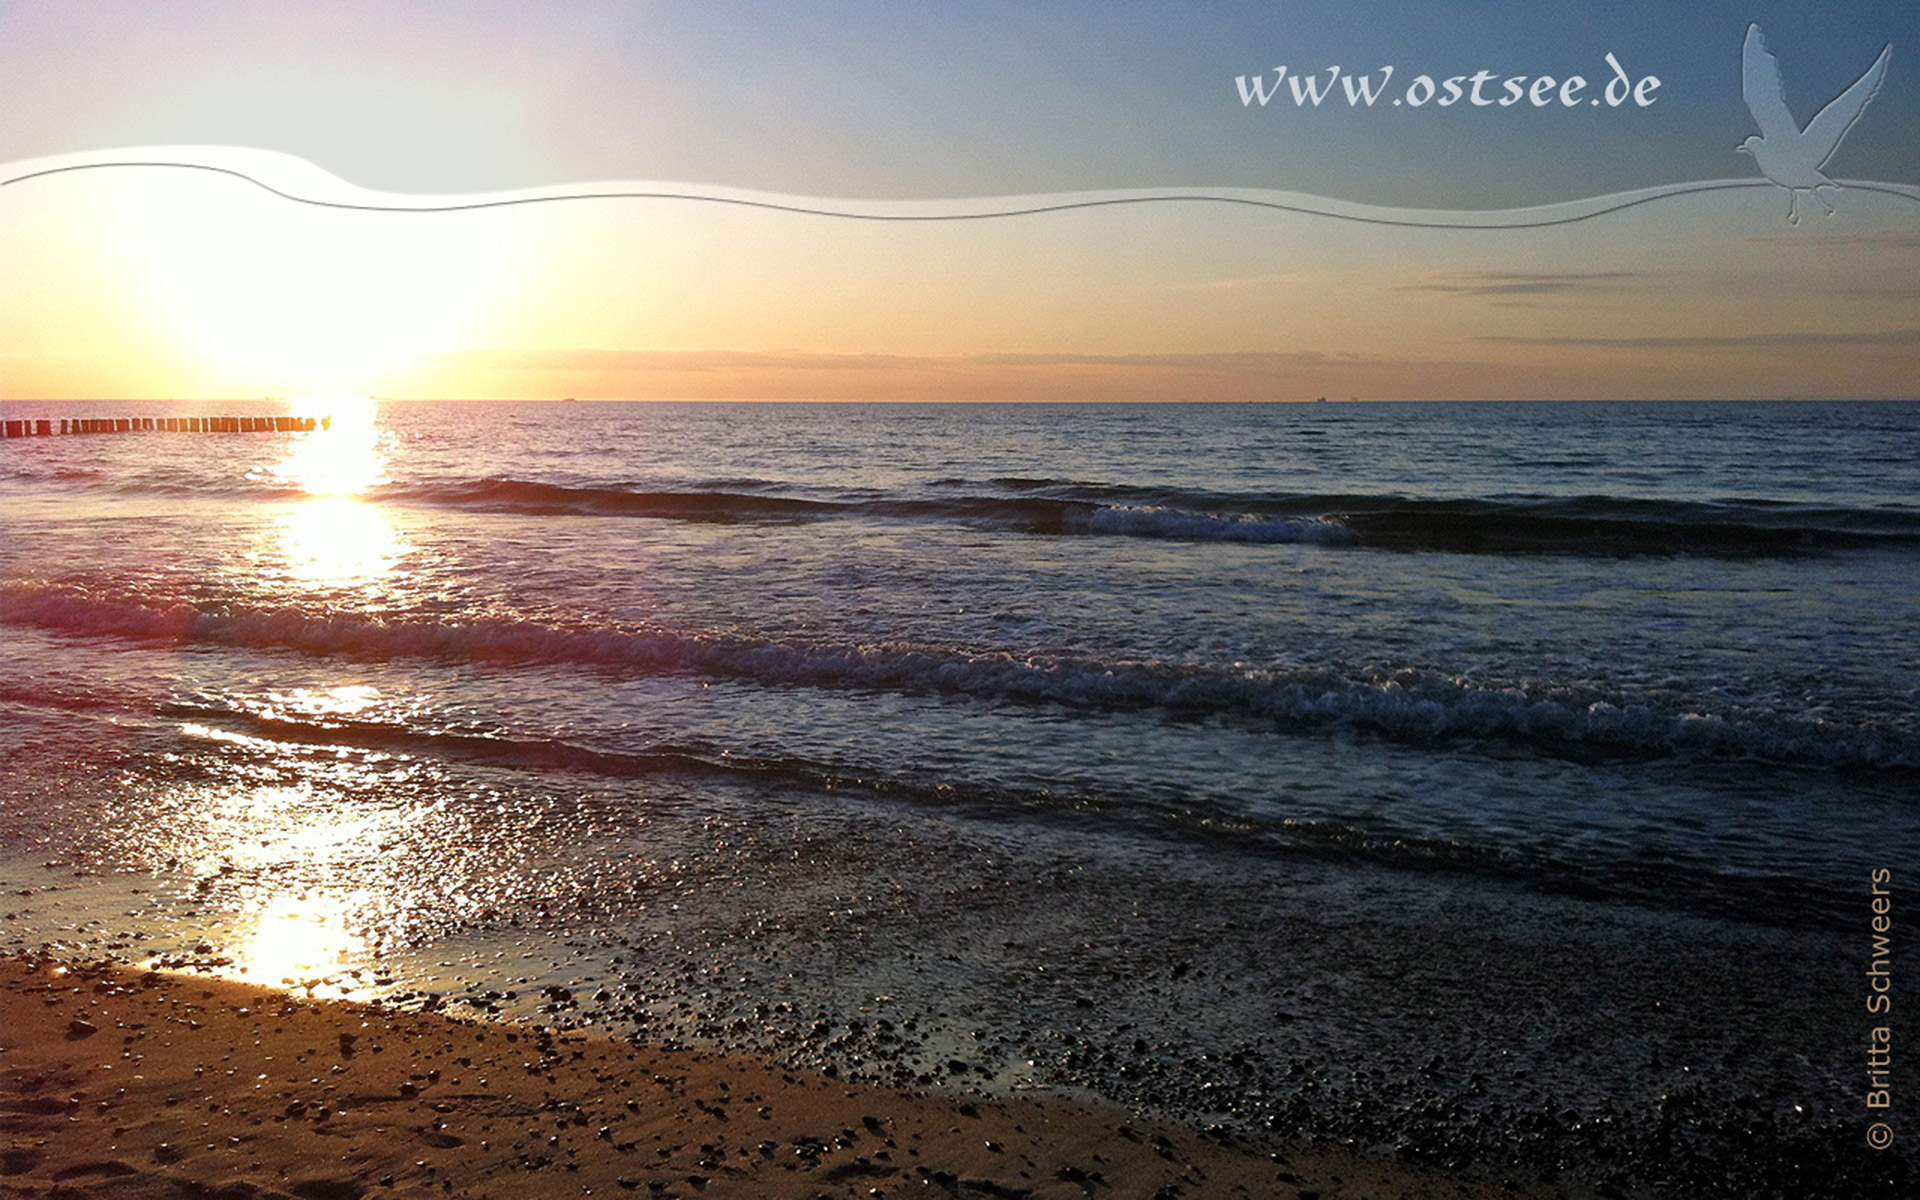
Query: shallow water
x,y
1498,780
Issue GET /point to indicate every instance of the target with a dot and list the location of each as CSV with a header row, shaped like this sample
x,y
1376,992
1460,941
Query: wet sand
x,y
120,1082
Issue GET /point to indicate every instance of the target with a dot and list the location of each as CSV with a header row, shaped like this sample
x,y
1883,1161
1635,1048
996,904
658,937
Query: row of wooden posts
x,y
48,427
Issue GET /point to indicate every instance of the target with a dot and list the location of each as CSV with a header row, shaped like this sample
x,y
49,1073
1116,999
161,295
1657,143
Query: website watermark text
x,y
1482,89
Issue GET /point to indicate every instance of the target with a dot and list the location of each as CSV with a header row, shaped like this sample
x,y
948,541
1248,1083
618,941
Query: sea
x,y
1505,787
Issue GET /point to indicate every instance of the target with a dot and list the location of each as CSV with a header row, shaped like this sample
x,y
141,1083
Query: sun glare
x,y
295,865
335,536
303,941
344,455
273,296
337,540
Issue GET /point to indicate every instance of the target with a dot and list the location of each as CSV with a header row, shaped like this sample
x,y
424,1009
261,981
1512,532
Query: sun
x,y
277,297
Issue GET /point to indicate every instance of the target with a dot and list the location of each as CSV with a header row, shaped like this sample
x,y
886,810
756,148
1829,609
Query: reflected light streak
x,y
302,941
298,870
268,826
343,700
335,537
347,457
339,540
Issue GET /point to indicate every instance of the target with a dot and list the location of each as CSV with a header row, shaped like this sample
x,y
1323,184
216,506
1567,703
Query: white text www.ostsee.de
x,y
1482,89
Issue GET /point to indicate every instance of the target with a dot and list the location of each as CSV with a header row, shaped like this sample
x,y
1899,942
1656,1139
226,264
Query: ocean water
x,y
1495,784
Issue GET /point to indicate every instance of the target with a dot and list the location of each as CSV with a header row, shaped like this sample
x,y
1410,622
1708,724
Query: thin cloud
x,y
1890,337
1885,239
590,358
1513,283
597,359
1907,292
1223,360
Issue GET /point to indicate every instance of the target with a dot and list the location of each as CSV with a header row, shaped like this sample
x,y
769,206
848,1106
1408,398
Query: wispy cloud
x,y
600,372
603,359
1513,283
1239,362
1907,292
1884,239
1788,340
1801,363
597,359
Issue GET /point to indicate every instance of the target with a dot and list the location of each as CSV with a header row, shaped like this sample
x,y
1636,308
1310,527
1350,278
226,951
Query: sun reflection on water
x,y
308,941
336,537
341,700
306,888
346,457
340,541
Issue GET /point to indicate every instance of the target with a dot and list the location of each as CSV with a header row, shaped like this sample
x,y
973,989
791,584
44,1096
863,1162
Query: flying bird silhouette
x,y
1788,155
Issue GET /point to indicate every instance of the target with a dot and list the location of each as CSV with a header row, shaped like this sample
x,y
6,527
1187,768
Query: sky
x,y
158,282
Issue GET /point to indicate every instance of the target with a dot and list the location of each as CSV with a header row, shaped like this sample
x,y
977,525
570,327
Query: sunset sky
x,y
151,282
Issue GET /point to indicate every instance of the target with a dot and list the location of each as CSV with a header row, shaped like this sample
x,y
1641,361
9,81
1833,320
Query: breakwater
x,y
54,427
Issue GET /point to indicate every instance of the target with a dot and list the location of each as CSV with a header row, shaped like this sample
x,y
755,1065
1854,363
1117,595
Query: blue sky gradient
x,y
900,100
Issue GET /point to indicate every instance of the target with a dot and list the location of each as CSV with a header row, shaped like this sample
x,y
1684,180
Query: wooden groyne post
x,y
51,426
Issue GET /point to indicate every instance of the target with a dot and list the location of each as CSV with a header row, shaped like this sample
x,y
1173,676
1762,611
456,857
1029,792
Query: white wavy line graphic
x,y
291,177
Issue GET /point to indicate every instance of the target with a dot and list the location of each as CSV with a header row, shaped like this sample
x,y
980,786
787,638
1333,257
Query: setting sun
x,y
291,297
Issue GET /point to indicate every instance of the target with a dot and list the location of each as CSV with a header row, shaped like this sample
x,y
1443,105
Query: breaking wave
x,y
1406,705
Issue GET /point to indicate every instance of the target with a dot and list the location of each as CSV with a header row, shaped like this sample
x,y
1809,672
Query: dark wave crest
x,y
1406,705
1585,525
1595,526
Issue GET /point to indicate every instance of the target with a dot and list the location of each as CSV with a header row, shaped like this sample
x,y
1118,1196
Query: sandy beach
x,y
120,1082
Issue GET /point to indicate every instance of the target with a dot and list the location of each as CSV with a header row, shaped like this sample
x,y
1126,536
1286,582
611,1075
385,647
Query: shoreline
x,y
124,1082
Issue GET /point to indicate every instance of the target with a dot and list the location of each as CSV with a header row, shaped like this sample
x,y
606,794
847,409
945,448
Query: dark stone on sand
x,y
77,1029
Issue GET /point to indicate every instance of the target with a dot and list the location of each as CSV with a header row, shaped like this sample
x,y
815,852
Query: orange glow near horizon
x,y
157,285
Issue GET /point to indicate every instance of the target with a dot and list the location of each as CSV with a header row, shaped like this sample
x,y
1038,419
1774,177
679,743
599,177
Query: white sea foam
x,y
1155,521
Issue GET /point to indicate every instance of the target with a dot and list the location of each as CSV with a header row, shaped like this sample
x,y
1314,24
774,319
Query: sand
x,y
121,1082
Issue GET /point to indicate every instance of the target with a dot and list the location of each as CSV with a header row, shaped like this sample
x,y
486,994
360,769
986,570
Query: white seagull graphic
x,y
1788,155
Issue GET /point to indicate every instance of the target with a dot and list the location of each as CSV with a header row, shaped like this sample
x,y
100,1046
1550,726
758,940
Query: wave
x,y
1593,525
1583,525
1598,873
1403,705
550,499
